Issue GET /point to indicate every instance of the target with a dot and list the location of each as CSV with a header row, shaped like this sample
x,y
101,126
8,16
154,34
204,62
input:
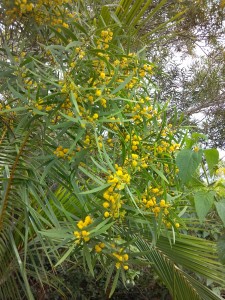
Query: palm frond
x,y
177,264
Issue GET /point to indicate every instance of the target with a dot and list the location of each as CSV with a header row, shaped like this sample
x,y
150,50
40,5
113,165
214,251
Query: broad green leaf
x,y
220,207
212,159
187,162
203,203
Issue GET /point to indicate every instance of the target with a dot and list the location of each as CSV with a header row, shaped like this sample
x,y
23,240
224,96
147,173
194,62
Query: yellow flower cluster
x,y
146,69
7,106
23,6
121,259
141,111
39,104
134,139
114,124
62,153
99,247
119,179
47,11
80,52
83,235
137,162
106,37
112,195
152,201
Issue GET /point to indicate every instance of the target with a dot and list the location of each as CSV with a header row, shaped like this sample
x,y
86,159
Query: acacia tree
x,y
93,171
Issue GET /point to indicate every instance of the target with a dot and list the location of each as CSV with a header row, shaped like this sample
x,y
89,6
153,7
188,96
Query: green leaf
x,y
79,27
73,44
92,176
97,189
73,100
220,207
122,85
87,257
105,14
56,233
212,159
64,257
115,281
203,203
159,173
187,162
101,228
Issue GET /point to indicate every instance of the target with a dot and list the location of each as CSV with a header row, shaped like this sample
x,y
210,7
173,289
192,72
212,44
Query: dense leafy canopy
x,y
93,169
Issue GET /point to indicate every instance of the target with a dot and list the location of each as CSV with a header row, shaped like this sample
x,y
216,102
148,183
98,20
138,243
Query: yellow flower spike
x,y
177,225
125,268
